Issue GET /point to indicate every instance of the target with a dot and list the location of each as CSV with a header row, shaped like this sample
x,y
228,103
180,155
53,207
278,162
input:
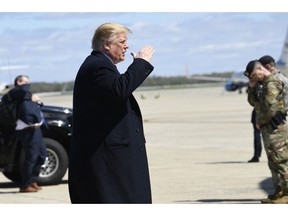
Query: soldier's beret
x,y
249,68
264,60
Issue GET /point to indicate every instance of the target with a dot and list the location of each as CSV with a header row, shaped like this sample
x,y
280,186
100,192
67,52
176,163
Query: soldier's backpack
x,y
8,113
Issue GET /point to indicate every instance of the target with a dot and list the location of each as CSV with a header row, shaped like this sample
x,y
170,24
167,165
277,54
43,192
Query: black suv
x,y
57,137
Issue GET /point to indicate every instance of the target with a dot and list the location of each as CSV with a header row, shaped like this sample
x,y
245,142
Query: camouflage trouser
x,y
276,147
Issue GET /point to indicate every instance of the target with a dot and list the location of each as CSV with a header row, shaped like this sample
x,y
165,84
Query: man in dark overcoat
x,y
108,161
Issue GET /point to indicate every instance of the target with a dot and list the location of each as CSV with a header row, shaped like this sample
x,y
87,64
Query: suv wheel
x,y
56,164
52,171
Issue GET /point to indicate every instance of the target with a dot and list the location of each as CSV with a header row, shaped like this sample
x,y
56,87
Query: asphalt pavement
x,y
198,141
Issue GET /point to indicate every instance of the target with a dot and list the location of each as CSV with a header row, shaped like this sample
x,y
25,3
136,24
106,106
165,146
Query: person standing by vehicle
x,y
108,161
271,120
29,134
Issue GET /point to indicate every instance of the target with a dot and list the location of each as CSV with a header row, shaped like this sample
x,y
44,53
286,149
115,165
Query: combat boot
x,y
275,196
278,194
266,201
282,200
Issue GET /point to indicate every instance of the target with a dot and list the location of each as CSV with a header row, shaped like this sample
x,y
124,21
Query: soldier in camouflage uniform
x,y
269,104
269,63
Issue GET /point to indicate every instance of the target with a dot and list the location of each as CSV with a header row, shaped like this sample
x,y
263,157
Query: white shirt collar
x,y
107,57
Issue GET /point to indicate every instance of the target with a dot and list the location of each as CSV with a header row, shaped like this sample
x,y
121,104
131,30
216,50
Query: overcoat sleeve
x,y
118,87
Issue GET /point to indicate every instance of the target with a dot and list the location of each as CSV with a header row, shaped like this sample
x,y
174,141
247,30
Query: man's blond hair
x,y
107,32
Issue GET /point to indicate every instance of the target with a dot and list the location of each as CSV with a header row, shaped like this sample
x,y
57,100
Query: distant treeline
x,y
150,81
51,87
182,80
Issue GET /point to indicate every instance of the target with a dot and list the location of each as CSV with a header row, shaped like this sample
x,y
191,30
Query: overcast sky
x,y
53,45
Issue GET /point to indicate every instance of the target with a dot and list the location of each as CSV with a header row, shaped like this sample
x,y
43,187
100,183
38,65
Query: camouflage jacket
x,y
267,99
284,79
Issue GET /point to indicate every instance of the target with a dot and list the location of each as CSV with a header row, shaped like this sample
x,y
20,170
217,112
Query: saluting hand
x,y
145,53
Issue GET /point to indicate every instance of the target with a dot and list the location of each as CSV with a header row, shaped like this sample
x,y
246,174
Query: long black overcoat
x,y
108,161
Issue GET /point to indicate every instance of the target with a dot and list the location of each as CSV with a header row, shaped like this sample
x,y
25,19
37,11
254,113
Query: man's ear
x,y
268,67
106,45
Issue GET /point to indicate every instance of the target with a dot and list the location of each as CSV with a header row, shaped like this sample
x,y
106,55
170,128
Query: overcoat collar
x,y
95,52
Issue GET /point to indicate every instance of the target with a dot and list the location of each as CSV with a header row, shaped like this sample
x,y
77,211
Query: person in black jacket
x,y
257,140
108,161
29,132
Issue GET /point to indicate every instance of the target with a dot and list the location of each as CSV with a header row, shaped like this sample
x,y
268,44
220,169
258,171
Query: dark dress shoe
x,y
28,190
254,160
36,186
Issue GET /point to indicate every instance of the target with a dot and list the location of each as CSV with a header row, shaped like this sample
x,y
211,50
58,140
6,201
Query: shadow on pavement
x,y
267,185
223,201
8,185
15,185
227,162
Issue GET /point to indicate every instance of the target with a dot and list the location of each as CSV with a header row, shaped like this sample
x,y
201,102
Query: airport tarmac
x,y
198,141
